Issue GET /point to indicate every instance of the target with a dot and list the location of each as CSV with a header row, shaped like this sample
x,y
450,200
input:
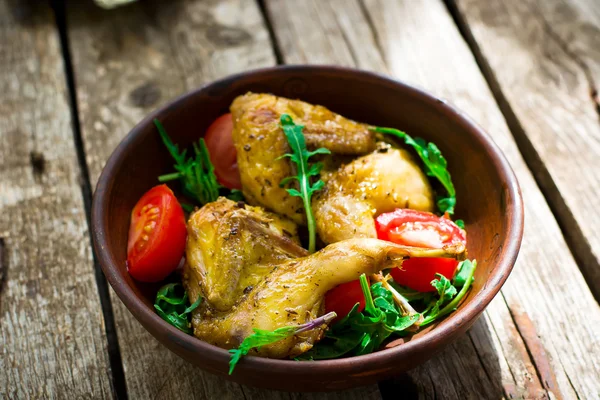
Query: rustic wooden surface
x,y
145,55
51,324
538,339
544,260
550,90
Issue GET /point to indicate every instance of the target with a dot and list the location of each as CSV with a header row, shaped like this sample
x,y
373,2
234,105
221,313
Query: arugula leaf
x,y
384,300
171,305
262,337
435,165
445,291
469,270
464,271
196,174
363,332
300,156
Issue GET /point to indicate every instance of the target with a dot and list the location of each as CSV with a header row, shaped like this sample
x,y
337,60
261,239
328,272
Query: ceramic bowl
x,y
488,200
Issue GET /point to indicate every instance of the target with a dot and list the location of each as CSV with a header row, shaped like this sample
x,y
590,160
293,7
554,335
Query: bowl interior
x,y
487,195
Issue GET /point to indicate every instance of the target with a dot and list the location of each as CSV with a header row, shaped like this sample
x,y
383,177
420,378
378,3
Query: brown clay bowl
x,y
489,201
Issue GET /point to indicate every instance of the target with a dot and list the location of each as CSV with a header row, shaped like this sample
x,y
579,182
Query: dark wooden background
x,y
74,79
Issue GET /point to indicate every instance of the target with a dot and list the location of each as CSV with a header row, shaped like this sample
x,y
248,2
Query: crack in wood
x,y
371,23
276,47
3,266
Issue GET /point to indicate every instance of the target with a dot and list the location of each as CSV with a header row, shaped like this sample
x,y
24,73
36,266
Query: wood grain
x,y
549,92
127,62
420,44
51,325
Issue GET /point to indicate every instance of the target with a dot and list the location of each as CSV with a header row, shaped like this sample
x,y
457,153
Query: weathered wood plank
x,y
127,62
51,325
550,95
421,45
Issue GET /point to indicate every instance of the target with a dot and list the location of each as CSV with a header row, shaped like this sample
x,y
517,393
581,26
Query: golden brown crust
x,y
260,142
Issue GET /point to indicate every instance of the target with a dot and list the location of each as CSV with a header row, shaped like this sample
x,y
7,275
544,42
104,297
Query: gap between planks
x,y
116,366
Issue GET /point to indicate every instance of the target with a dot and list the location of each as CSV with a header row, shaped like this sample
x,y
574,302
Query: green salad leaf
x,y
435,165
171,304
448,292
197,173
262,337
305,171
363,332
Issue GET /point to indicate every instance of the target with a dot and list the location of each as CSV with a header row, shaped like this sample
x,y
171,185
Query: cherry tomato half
x,y
219,142
343,297
157,235
420,229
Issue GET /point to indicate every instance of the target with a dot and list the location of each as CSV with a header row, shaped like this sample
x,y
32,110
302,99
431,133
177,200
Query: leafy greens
x,y
305,171
262,337
435,165
448,292
364,332
196,174
171,305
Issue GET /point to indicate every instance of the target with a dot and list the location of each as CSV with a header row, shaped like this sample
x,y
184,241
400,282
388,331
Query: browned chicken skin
x,y
366,187
247,263
293,292
231,247
260,142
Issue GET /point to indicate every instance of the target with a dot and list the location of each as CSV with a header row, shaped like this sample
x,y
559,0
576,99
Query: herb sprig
x,y
364,332
435,165
171,305
196,174
447,291
305,171
262,337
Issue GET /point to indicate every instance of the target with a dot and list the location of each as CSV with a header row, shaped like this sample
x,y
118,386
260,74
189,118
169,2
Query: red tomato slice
x,y
343,297
420,229
219,142
157,235
417,273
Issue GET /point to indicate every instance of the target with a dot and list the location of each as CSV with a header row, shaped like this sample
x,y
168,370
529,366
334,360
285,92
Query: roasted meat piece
x,y
231,247
292,293
260,142
366,187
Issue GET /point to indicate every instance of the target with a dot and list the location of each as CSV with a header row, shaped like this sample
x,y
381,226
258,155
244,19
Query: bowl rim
x,y
450,326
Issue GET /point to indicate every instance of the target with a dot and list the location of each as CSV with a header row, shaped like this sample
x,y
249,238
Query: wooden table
x,y
73,82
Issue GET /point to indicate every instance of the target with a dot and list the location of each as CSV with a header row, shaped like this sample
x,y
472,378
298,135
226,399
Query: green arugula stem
x,y
299,156
369,305
169,177
310,219
454,303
